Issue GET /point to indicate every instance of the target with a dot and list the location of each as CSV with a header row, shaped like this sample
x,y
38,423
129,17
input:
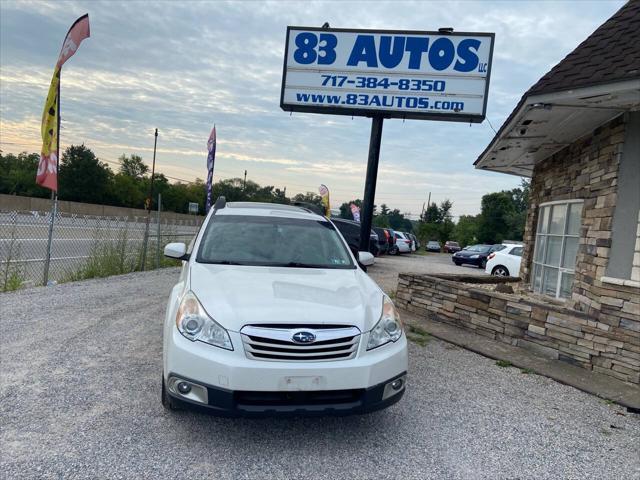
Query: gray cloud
x,y
181,66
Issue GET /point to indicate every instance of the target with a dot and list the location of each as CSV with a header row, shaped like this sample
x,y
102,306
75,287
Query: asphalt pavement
x,y
24,239
387,267
80,398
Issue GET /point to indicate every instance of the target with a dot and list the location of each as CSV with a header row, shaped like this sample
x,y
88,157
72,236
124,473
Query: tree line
x,y
84,178
502,217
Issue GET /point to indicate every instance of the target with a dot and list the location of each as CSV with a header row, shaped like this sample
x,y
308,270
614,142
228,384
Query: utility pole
x,y
158,231
149,202
244,183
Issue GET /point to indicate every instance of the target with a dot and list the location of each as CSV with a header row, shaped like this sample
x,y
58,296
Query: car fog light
x,y
192,325
397,384
184,388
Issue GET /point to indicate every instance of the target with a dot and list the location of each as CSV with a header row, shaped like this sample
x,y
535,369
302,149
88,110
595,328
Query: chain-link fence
x,y
83,246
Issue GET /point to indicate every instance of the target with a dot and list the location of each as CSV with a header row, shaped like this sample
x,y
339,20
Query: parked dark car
x,y
451,247
473,255
383,240
350,230
433,246
497,247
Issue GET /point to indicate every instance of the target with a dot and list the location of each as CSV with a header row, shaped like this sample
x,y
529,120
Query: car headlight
x,y
194,323
389,327
474,256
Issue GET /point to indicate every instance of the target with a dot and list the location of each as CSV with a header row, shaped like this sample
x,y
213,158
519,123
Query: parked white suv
x,y
273,315
403,243
505,262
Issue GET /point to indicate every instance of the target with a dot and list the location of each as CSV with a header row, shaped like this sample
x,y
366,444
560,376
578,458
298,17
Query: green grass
x,y
504,363
117,257
527,371
13,281
12,276
418,335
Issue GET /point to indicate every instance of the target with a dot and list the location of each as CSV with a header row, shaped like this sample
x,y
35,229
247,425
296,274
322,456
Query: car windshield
x,y
479,248
272,241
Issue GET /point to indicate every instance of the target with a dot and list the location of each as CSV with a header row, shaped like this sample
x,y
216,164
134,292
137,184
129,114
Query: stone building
x,y
576,134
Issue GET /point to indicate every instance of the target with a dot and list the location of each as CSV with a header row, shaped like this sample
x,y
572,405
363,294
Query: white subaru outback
x,y
273,315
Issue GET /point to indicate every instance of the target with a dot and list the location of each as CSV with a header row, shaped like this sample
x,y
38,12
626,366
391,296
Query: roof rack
x,y
310,207
221,202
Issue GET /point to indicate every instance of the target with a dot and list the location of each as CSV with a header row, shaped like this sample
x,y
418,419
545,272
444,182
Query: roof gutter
x,y
587,98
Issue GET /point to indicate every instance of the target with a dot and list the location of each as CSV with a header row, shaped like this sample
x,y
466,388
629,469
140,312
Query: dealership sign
x,y
396,74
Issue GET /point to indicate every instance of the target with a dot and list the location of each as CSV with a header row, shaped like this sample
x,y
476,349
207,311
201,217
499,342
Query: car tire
x,y
500,271
167,403
458,263
483,264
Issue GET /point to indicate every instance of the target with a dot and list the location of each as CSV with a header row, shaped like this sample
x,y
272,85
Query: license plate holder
x,y
303,383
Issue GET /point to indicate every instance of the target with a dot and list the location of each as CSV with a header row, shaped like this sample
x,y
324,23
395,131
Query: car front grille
x,y
278,399
276,343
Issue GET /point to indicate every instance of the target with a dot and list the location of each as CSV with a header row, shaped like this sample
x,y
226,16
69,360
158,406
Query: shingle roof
x,y
610,54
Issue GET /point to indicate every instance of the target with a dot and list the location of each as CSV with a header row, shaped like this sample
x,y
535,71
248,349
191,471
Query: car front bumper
x,y
466,260
234,384
231,403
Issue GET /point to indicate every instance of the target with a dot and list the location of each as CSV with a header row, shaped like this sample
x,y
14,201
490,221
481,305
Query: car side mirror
x,y
366,259
176,250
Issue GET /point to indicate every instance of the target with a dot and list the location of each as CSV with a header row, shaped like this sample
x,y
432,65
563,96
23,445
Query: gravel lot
x,y
80,385
386,269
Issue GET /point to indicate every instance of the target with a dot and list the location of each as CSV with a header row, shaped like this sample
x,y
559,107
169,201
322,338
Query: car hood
x,y
236,295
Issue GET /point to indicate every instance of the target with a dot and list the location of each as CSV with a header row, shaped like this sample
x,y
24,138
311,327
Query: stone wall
x,y
548,327
635,270
586,170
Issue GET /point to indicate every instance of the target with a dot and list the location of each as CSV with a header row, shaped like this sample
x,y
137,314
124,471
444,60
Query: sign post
x,y
370,182
442,76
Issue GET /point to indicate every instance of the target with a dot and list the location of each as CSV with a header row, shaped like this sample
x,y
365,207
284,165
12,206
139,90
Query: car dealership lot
x,y
81,366
386,269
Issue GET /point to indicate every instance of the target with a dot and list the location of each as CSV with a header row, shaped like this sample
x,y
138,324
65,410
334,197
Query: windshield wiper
x,y
300,265
222,262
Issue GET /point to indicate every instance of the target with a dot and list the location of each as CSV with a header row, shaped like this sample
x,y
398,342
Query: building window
x,y
557,238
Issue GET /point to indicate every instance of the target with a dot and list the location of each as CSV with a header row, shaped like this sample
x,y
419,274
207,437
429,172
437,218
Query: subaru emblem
x,y
303,337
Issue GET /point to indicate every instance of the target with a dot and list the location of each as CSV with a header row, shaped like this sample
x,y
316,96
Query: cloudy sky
x,y
182,66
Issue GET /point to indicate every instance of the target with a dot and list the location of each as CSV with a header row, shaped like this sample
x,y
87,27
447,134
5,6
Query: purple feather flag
x,y
211,158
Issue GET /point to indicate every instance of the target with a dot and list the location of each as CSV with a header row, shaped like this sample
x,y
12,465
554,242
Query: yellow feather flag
x,y
48,167
47,175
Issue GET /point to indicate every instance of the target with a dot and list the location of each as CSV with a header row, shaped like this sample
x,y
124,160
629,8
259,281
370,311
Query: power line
x,y
494,130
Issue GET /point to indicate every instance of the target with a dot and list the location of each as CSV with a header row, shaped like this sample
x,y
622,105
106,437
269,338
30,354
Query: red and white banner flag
x,y
76,34
47,175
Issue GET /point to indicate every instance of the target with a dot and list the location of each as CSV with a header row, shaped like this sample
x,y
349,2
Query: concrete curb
x,y
603,386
